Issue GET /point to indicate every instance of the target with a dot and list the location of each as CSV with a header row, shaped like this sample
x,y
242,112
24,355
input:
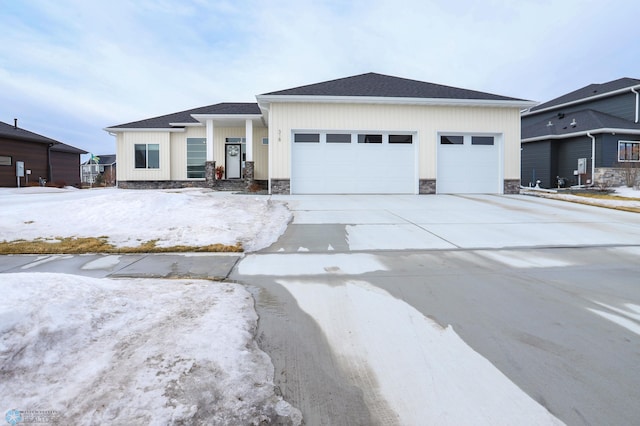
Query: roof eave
x,y
264,100
142,129
205,117
582,100
582,133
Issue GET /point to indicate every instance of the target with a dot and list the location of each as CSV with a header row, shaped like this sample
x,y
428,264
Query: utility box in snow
x,y
582,166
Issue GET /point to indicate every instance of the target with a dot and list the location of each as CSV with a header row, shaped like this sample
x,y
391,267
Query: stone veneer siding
x,y
427,186
512,186
613,176
162,184
280,186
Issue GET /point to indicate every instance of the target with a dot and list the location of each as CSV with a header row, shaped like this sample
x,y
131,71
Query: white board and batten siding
x,y
125,153
426,122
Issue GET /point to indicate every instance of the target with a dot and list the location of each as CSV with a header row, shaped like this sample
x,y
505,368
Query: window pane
x,y
196,157
140,156
400,139
154,156
307,137
482,140
451,140
635,151
338,138
369,138
265,141
5,160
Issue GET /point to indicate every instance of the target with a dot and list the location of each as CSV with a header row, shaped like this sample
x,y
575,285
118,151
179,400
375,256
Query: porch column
x,y
249,138
209,164
210,140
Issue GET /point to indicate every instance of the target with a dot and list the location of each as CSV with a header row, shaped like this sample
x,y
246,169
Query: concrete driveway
x,y
346,223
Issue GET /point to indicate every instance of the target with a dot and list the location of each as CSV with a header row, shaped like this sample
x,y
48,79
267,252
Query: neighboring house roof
x,y
104,159
11,131
379,85
575,124
588,92
185,117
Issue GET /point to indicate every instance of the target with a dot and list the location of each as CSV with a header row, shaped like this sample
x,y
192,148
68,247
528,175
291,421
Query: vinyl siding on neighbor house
x,y
427,121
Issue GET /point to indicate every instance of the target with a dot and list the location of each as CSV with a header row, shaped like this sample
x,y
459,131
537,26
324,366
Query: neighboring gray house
x,y
589,135
104,167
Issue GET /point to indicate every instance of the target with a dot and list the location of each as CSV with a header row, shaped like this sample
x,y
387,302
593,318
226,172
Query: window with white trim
x,y
5,160
306,138
147,156
369,138
265,141
628,151
196,157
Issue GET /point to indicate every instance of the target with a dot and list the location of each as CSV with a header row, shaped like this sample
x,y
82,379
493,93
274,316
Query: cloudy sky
x,y
69,68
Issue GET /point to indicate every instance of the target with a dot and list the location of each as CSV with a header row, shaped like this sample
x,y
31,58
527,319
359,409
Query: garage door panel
x,y
466,168
353,168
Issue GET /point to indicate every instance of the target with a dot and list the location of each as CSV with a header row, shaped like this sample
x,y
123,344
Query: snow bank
x,y
153,352
194,217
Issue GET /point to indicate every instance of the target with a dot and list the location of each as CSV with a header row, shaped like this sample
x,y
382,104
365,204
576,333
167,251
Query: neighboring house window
x,y
147,156
5,160
306,138
628,151
265,141
401,139
369,138
451,140
196,157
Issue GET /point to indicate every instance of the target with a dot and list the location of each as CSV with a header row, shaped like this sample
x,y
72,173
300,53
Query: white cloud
x,y
92,65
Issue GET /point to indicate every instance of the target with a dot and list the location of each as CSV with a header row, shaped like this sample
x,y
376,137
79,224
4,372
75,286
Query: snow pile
x,y
194,217
101,351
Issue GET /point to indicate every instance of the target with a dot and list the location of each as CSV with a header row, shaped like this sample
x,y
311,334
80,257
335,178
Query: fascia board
x,y
262,100
583,133
226,116
186,124
141,129
582,100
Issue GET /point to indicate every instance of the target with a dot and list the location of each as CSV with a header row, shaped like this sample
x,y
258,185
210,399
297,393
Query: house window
x,y
481,140
369,138
196,157
401,139
147,156
265,141
338,138
451,140
235,140
628,151
5,160
306,138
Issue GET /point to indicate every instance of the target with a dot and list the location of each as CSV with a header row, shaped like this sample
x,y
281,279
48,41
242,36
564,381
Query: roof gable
x,y
185,117
590,91
10,131
380,85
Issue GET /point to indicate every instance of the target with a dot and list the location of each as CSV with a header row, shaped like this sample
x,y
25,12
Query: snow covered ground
x,y
152,352
194,217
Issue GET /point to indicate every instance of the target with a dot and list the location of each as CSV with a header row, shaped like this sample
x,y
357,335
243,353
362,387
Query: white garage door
x,y
352,163
469,165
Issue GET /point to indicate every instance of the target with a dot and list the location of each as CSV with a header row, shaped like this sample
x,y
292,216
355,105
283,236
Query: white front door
x,y
233,161
469,164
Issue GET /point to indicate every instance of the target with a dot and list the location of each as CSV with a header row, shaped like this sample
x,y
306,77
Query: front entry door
x,y
233,161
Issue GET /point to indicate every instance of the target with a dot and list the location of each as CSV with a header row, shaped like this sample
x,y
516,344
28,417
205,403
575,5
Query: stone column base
x,y
511,186
427,186
209,172
281,186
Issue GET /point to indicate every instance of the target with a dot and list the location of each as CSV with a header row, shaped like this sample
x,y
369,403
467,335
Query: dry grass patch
x,y
605,196
101,245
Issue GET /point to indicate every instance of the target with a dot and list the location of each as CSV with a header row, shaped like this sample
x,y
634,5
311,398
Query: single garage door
x,y
353,163
469,165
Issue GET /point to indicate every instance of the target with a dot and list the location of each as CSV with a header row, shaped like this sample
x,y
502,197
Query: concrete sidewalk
x,y
213,266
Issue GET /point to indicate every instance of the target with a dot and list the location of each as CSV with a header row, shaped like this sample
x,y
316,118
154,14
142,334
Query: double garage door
x,y
386,163
353,163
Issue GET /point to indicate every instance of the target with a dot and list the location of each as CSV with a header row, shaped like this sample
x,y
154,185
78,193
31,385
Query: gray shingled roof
x,y
589,91
162,122
379,85
9,131
586,120
104,159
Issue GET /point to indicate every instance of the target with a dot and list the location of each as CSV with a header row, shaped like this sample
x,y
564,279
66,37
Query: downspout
x,y
593,158
633,89
49,168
